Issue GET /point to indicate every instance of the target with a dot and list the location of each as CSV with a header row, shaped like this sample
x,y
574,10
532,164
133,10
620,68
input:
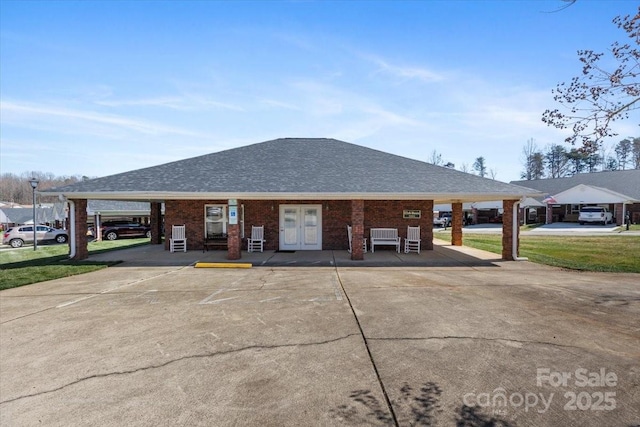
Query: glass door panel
x,y
310,226
290,226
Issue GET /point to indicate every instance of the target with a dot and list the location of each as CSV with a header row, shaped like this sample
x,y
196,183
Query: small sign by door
x,y
411,214
233,215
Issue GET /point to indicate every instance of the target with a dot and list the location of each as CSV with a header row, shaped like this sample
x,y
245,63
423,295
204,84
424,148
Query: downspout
x,y
72,229
515,235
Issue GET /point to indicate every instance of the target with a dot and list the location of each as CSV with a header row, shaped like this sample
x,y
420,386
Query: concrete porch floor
x,y
443,255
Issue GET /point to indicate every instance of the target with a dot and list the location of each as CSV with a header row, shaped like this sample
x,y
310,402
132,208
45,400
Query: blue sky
x,y
101,87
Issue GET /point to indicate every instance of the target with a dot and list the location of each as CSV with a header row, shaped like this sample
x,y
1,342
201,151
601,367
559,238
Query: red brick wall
x,y
388,214
336,214
189,213
618,216
635,212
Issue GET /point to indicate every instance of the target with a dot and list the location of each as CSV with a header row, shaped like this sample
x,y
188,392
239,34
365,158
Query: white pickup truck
x,y
442,219
595,214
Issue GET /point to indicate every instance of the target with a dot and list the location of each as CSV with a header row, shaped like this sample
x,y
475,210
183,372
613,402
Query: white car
x,y
595,214
18,236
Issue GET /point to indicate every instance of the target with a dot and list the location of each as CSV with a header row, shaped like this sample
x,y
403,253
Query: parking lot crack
x,y
179,359
376,371
459,337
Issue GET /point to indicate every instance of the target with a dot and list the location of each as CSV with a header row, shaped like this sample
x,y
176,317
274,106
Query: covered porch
x,y
329,224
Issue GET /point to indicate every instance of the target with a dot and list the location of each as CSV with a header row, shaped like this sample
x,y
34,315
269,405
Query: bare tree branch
x,y
598,97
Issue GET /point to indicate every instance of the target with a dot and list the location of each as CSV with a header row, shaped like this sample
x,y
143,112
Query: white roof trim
x,y
158,196
589,194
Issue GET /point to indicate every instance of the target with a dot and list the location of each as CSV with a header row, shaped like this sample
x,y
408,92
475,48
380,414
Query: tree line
x,y
16,189
479,165
556,161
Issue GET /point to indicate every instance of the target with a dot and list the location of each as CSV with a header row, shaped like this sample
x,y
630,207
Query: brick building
x,y
303,190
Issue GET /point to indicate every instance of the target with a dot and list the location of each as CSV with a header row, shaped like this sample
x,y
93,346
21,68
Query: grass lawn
x,y
589,253
25,266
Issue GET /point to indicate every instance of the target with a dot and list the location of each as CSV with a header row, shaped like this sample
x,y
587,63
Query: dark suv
x,y
112,230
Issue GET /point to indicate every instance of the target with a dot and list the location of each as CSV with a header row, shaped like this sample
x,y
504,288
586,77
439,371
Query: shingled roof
x,y
625,182
296,168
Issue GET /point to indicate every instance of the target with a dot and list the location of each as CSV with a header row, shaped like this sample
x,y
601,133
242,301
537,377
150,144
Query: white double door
x,y
300,227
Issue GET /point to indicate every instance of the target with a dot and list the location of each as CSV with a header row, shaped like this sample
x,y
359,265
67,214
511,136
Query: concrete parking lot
x,y
490,343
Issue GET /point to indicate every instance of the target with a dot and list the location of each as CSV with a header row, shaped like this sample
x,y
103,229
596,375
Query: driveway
x,y
505,343
556,228
573,228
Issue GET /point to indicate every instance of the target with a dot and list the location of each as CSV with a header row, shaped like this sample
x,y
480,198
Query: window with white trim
x,y
215,221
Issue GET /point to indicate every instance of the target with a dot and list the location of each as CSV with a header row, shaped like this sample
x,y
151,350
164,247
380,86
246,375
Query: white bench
x,y
384,236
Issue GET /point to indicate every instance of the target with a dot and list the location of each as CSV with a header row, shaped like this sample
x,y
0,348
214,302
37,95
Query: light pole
x,y
34,183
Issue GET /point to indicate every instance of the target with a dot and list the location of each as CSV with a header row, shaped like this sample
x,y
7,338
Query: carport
x,y
311,188
590,195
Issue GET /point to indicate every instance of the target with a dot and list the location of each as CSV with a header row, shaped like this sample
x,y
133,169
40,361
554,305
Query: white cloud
x,y
279,104
186,102
404,71
29,115
168,102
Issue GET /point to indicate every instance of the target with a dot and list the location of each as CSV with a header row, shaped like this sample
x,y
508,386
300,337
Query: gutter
x,y
147,196
515,235
72,229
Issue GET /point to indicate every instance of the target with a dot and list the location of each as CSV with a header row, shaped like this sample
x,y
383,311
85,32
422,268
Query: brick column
x,y
427,230
617,212
456,224
234,242
357,224
80,211
156,223
549,214
507,230
234,238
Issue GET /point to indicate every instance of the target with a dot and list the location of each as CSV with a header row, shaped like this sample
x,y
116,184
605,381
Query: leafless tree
x,y
480,166
600,96
532,160
16,188
435,158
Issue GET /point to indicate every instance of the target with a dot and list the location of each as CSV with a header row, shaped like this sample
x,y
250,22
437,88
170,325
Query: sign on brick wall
x,y
411,214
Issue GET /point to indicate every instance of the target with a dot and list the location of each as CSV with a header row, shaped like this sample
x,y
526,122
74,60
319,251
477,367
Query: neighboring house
x,y
45,214
491,211
304,191
617,190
